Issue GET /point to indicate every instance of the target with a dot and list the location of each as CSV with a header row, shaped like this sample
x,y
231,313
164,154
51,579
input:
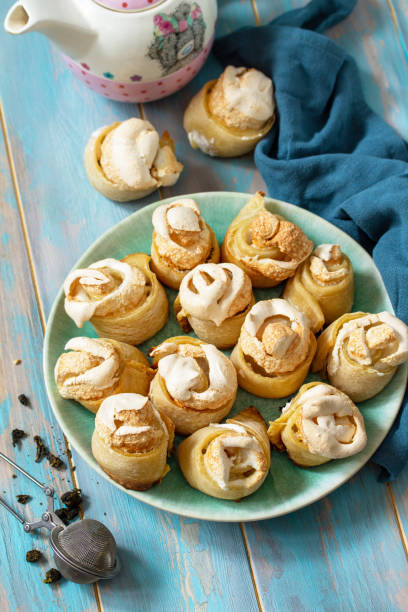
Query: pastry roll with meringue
x,y
131,441
214,300
122,299
275,349
323,286
360,352
181,240
228,461
266,246
127,160
95,368
231,114
319,424
195,383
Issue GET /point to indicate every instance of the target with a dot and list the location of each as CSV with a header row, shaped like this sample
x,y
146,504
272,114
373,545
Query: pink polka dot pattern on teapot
x,y
137,90
129,5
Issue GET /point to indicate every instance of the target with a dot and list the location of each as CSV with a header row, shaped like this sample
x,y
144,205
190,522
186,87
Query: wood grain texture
x,y
21,584
168,563
342,553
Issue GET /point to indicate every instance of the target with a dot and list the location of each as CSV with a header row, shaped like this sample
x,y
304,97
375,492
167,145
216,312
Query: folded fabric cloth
x,y
331,154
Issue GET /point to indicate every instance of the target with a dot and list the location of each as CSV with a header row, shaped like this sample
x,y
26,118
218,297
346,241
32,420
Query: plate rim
x,y
157,503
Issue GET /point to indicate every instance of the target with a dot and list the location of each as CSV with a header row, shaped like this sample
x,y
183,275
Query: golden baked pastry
x,y
195,383
127,160
323,286
361,352
181,240
230,115
266,246
95,368
131,441
214,300
319,424
228,461
122,299
275,349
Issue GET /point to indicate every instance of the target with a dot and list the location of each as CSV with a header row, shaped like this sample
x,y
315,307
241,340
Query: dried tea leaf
x,y
53,575
33,555
72,498
23,499
17,435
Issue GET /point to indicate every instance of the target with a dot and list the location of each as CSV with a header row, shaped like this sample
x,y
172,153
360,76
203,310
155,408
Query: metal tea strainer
x,y
84,552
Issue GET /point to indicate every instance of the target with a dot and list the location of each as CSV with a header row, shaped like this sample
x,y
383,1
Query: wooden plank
x,y
348,546
21,584
343,553
169,563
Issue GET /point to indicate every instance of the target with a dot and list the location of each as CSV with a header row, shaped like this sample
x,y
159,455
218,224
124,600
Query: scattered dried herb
x,y
41,449
67,514
72,498
23,399
23,499
33,555
17,435
53,575
55,461
14,476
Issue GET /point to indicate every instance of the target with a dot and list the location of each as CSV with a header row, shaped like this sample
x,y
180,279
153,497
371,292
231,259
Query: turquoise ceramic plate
x,y
287,487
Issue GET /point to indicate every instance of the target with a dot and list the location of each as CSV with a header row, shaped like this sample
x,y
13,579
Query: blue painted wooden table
x,y
346,552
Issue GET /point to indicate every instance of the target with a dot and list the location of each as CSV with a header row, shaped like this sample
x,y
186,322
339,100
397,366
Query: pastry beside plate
x,y
231,114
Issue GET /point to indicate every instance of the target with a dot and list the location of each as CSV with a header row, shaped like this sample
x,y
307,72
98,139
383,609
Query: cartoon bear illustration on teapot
x,y
178,36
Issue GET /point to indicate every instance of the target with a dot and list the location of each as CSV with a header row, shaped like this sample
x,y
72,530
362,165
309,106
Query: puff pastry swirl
x,y
195,383
319,424
275,349
266,246
131,440
323,286
127,160
230,115
214,300
95,368
361,352
181,240
228,461
122,299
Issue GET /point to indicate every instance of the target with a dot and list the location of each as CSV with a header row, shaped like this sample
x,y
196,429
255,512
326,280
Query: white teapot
x,y
134,51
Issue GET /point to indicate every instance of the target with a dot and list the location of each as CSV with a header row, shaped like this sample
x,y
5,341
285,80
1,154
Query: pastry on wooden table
x,y
214,300
228,461
181,240
275,349
131,440
360,352
323,286
266,246
121,298
127,160
195,383
231,114
95,368
319,424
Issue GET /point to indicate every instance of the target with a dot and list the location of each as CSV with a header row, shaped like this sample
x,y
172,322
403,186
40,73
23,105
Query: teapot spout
x,y
59,20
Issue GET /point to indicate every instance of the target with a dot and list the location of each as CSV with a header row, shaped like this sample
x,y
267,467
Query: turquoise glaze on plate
x,y
287,487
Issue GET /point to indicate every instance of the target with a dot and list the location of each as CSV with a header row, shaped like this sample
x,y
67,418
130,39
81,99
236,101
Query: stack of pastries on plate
x,y
190,385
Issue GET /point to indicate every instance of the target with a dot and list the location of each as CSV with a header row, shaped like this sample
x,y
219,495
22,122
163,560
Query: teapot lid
x,y
130,6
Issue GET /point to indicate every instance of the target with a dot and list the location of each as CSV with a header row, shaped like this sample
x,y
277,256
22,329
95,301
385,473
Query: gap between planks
x,y
34,279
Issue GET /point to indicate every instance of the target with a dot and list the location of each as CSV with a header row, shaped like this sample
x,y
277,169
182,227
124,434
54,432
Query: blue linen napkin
x,y
331,154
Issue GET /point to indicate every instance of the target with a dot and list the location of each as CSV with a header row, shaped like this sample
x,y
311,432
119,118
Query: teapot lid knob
x,y
130,6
